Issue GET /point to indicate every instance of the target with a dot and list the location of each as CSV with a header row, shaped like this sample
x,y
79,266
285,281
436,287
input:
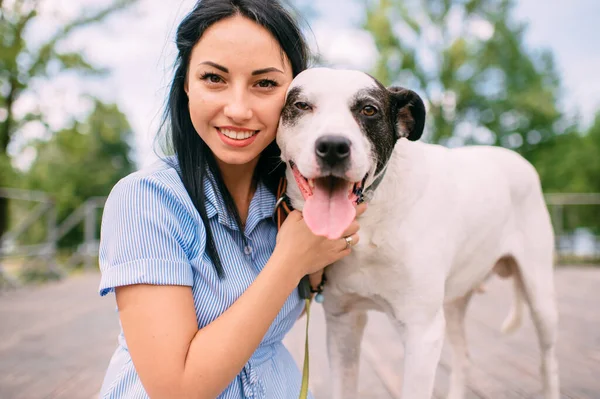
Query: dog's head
x,y
338,129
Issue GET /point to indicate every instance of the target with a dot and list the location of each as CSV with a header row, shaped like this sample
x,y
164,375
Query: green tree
x,y
20,64
570,163
82,161
591,159
468,60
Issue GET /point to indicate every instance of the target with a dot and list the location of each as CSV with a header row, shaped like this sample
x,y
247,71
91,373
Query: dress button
x,y
248,250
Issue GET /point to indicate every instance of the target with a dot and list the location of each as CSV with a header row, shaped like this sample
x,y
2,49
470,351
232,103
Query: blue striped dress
x,y
152,234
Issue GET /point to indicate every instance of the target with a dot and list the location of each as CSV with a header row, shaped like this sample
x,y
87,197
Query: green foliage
x,y
482,85
8,174
591,156
81,162
570,163
38,273
469,62
21,64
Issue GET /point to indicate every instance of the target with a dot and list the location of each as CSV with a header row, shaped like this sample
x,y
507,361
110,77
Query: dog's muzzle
x,y
333,154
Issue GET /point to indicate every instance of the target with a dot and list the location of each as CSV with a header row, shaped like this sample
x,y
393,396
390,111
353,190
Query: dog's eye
x,y
303,106
369,110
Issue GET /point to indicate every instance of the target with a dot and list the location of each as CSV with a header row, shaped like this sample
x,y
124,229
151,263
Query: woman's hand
x,y
308,252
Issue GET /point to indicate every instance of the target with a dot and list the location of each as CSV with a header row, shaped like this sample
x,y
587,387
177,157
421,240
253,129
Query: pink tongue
x,y
328,213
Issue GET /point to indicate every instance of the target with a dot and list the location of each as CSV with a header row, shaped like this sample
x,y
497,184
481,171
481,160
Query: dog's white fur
x,y
441,222
327,94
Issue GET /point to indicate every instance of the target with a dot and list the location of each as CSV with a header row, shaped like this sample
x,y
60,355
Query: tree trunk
x,y
5,133
3,217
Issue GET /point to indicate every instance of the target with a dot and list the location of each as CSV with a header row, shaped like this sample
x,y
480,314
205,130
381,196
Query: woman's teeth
x,y
232,134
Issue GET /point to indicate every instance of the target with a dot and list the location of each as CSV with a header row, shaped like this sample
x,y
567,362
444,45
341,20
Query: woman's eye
x,y
369,110
303,106
267,83
211,78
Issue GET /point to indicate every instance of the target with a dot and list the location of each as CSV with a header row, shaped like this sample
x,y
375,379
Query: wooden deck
x,y
56,340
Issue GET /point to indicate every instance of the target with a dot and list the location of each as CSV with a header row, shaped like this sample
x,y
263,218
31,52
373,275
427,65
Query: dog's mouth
x,y
330,183
329,202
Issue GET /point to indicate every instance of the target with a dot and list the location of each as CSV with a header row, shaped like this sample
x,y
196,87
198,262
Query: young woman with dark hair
x,y
204,282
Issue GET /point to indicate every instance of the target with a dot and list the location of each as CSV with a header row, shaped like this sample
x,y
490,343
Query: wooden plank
x,y
56,341
518,355
370,383
502,366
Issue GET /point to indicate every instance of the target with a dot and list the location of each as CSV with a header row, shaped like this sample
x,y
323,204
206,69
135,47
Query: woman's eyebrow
x,y
265,70
254,73
215,65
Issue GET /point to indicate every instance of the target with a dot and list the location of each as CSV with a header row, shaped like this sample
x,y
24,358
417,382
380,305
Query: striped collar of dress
x,y
261,205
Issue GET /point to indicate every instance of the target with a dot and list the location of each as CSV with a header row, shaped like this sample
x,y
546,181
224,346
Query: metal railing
x,y
558,203
87,252
46,251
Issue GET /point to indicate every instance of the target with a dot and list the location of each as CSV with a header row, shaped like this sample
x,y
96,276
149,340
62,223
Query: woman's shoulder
x,y
158,183
161,172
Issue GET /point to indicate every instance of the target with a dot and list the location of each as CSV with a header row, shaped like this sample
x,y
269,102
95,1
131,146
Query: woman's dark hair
x,y
194,157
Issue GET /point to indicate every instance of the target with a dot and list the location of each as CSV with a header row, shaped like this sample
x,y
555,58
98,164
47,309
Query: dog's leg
x,y
344,335
423,346
533,254
539,289
455,329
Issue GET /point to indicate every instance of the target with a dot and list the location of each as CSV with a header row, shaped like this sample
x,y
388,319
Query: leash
x,y
304,386
282,209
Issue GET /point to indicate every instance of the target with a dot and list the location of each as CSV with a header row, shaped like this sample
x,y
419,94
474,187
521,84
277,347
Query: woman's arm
x,y
175,359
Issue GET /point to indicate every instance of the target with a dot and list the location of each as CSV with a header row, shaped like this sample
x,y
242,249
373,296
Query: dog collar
x,y
283,207
366,195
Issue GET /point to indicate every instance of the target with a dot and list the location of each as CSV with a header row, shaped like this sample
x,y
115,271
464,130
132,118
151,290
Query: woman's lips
x,y
230,136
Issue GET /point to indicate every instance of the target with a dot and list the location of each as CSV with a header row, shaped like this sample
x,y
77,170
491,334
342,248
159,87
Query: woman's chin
x,y
237,159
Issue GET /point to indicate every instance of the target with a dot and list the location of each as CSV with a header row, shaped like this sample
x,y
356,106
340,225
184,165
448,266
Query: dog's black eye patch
x,y
377,126
369,110
302,106
366,96
362,103
290,113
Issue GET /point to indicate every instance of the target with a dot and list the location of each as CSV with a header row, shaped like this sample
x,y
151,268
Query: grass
x,y
35,271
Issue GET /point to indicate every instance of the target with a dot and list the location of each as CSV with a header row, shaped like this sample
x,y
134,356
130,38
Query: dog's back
x,y
486,201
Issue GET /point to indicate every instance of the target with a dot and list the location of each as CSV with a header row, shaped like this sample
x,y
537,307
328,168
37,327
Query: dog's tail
x,y
514,318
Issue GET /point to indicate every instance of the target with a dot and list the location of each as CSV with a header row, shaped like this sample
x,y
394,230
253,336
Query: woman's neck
x,y
239,180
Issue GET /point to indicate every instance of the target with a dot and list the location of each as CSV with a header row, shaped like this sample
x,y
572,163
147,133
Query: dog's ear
x,y
407,113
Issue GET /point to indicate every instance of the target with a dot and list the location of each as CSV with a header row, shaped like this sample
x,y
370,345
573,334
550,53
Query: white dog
x,y
439,222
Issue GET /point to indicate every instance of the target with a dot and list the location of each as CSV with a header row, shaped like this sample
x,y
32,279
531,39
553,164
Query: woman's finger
x,y
360,209
315,279
352,229
295,215
348,242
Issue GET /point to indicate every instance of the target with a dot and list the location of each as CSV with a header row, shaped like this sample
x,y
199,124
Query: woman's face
x,y
236,85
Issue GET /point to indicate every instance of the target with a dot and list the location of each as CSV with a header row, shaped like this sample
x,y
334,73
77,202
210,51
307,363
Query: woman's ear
x,y
408,113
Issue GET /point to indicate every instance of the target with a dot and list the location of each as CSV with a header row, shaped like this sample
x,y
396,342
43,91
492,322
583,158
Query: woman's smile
x,y
236,136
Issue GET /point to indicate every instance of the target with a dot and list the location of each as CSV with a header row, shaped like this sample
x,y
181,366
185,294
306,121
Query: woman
x,y
204,282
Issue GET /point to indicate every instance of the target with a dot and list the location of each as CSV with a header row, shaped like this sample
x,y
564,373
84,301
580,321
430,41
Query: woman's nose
x,y
238,107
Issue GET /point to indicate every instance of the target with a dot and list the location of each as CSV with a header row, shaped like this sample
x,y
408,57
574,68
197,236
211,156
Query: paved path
x,y
56,340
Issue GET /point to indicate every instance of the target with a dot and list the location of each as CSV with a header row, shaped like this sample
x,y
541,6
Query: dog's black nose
x,y
332,149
